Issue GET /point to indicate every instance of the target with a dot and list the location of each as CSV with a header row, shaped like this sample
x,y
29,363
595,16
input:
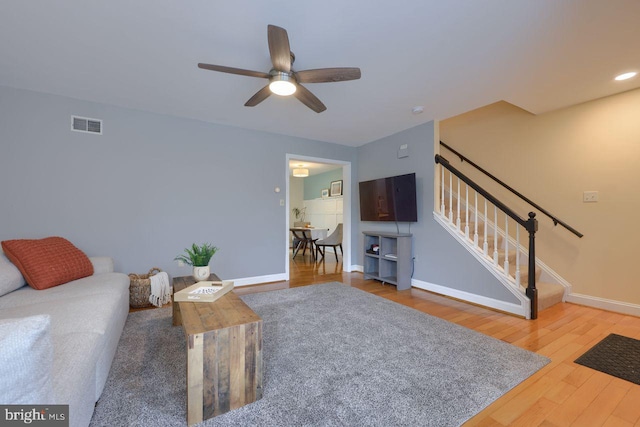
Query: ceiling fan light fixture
x,y
301,173
281,84
283,81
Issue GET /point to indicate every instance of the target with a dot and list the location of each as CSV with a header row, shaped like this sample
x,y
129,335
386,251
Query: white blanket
x,y
160,291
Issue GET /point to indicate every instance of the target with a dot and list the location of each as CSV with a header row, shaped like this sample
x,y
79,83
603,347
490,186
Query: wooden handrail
x,y
555,220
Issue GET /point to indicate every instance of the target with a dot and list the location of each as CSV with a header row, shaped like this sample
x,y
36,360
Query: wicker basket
x,y
140,288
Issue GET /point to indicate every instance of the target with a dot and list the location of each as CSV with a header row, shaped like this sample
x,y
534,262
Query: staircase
x,y
549,294
491,231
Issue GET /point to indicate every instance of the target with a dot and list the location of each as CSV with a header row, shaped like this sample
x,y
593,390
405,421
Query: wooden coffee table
x,y
224,353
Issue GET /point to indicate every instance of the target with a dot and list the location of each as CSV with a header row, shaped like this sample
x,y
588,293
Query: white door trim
x,y
346,197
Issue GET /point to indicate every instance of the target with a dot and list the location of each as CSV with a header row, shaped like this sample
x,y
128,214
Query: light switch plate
x,y
590,197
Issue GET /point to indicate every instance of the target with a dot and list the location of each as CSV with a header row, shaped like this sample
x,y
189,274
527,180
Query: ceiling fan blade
x,y
260,96
279,48
232,70
322,75
309,99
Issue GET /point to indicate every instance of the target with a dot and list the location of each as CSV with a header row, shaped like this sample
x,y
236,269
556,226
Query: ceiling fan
x,y
283,80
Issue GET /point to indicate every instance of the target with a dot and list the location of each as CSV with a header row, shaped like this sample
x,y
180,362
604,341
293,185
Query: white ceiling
x,y
449,56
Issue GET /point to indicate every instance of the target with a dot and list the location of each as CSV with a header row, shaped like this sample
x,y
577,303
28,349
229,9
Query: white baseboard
x,y
508,307
245,281
358,268
605,304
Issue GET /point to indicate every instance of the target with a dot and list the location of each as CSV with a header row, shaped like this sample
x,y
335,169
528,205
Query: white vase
x,y
201,273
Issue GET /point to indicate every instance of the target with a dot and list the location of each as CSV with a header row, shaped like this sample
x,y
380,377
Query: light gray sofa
x,y
87,317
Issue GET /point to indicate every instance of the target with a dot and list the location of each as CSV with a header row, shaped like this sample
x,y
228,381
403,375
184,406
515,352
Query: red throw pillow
x,y
48,262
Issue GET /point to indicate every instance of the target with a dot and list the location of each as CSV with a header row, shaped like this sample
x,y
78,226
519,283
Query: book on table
x,y
205,291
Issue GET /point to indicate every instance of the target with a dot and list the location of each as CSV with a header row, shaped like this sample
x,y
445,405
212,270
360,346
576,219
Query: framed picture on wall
x,y
325,193
336,188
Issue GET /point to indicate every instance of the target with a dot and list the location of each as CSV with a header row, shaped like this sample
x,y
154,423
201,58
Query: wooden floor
x,y
561,394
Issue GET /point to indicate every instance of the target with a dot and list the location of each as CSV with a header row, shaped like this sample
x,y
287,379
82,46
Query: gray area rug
x,y
333,356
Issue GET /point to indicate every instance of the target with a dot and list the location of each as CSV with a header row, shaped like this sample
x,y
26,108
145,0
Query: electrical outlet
x,y
180,263
590,197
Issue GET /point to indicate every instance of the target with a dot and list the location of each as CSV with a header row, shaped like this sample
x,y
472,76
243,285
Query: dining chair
x,y
305,240
298,224
334,240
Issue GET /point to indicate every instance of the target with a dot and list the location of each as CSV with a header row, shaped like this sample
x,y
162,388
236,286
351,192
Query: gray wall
x,y
149,187
439,258
153,184
314,184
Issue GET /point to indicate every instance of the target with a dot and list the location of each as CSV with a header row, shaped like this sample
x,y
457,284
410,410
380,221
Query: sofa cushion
x,y
26,361
73,314
95,289
48,262
74,374
10,277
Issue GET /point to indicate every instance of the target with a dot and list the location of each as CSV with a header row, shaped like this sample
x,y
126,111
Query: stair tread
x,y
549,294
549,288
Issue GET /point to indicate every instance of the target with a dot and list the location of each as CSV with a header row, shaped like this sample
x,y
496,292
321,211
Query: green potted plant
x,y
198,257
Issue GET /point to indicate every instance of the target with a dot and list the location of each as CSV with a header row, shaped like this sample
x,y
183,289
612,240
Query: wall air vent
x,y
84,124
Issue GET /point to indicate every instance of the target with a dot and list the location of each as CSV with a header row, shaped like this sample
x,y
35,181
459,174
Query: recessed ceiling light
x,y
626,76
418,109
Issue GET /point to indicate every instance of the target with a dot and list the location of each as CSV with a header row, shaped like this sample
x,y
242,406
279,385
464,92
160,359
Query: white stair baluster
x,y
495,235
517,256
466,212
442,213
450,197
458,214
506,245
475,232
485,245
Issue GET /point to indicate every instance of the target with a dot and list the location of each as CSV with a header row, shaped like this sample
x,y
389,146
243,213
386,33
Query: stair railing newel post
x,y
532,292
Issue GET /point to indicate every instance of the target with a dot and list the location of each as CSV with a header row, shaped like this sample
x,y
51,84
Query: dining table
x,y
306,236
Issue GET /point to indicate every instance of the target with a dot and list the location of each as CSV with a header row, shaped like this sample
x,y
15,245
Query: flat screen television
x,y
389,199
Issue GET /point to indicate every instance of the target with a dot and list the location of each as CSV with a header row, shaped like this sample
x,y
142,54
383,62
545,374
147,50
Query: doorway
x,y
318,166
